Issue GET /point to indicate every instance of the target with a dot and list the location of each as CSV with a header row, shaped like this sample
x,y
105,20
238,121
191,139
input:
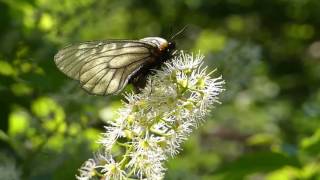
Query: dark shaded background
x,y
268,51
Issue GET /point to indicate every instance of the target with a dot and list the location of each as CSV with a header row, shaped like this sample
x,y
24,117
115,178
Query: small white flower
x,y
111,169
146,159
111,135
87,170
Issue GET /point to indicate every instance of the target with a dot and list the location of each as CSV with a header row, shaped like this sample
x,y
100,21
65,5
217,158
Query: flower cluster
x,y
153,124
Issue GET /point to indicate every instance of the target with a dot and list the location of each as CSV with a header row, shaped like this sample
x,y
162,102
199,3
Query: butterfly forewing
x,y
104,67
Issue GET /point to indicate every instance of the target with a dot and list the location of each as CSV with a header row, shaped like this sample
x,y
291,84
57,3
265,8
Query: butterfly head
x,y
162,44
167,47
171,46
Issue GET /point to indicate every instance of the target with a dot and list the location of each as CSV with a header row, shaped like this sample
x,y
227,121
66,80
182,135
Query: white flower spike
x,y
153,124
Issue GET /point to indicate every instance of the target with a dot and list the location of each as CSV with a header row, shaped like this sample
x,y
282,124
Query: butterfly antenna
x,y
178,33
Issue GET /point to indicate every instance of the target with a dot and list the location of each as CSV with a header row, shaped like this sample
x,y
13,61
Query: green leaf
x,y
311,144
21,89
6,69
259,162
18,122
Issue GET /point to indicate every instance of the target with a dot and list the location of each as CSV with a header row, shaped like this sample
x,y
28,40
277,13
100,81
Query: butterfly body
x,y
105,67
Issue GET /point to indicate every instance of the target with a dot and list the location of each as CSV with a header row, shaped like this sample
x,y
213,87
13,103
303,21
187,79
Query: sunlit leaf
x,y
21,89
50,112
309,171
29,11
56,142
3,136
236,23
256,162
44,106
285,173
109,113
6,69
299,31
26,67
312,144
46,22
18,122
74,128
92,135
210,41
262,139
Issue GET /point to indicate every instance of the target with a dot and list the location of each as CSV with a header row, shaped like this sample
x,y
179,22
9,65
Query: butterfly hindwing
x,y
103,67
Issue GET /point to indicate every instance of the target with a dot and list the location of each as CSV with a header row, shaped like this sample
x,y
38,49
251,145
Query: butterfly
x,y
105,67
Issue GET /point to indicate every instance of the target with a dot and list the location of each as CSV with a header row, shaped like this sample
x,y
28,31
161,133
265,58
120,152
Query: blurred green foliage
x,y
268,126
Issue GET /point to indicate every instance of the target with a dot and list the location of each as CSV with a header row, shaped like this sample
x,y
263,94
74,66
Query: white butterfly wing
x,y
103,68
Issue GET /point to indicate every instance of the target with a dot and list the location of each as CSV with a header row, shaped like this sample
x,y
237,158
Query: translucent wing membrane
x,y
103,67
